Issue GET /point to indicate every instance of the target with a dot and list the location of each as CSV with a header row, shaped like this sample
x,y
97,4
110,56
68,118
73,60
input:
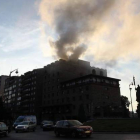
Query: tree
x,y
138,100
125,105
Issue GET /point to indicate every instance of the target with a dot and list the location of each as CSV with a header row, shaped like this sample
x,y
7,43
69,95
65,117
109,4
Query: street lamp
x,y
13,71
131,98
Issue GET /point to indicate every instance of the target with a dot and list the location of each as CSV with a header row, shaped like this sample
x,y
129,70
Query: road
x,y
49,135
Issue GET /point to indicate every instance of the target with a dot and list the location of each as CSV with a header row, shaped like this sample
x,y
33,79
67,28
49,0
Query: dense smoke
x,y
73,21
109,29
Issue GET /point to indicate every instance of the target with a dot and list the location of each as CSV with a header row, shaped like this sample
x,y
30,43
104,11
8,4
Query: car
x,y
48,125
3,129
42,123
25,126
31,118
73,128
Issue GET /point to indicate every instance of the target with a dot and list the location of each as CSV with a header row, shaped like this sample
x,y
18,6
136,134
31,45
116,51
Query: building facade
x,y
60,101
63,90
12,95
2,84
98,96
31,94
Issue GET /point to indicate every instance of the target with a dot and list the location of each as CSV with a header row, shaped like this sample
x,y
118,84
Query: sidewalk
x,y
113,132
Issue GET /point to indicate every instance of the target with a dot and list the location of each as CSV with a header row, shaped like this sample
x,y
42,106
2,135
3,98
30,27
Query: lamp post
x,y
131,99
13,71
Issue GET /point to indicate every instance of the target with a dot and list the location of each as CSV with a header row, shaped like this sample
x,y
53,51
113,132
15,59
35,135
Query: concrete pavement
x,y
49,135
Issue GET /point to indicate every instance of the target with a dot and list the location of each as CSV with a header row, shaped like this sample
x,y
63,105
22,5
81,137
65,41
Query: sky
x,y
31,31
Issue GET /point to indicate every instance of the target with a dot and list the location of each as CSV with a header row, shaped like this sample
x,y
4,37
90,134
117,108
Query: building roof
x,y
91,76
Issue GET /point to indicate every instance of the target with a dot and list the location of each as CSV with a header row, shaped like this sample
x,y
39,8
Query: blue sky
x,y
20,36
25,31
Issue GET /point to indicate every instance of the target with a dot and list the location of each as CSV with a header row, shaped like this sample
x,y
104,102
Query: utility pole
x,y
131,99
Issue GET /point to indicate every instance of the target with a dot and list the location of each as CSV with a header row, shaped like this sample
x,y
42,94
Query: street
x,y
49,135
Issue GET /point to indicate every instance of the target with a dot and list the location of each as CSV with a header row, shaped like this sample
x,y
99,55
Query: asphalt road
x,y
49,135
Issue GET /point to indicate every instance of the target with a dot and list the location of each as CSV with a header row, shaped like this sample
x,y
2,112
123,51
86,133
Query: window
x,y
65,123
87,96
3,125
114,83
80,97
87,88
68,99
18,103
106,88
13,95
101,73
62,100
93,72
107,81
107,97
59,123
73,98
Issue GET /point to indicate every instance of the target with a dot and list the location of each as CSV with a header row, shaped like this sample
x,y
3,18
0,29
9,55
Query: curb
x,y
103,132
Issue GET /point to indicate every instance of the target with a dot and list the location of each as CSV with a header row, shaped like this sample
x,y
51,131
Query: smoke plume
x,y
73,21
109,29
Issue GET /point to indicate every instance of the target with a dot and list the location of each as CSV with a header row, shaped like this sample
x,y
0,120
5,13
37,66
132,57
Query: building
x,y
60,101
23,94
98,96
2,83
63,90
12,95
31,94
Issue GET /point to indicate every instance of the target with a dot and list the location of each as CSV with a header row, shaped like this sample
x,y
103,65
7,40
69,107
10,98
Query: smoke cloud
x,y
118,37
73,21
109,29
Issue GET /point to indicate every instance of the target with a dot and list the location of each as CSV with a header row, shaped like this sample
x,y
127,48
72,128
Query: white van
x,y
20,119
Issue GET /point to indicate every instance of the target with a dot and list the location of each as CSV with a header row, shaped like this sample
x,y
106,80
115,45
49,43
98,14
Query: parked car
x,y
25,126
73,128
42,123
20,119
48,125
3,129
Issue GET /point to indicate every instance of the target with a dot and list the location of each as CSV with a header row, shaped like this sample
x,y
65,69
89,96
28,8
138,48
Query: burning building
x,y
69,86
63,90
